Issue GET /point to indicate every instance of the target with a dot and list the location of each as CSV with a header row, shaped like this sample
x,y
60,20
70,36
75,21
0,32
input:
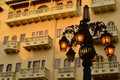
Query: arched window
x,y
111,26
18,13
14,38
9,68
43,8
25,12
59,5
110,23
69,4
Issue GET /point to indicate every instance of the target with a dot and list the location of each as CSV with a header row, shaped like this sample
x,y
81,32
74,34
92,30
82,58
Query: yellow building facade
x,y
30,31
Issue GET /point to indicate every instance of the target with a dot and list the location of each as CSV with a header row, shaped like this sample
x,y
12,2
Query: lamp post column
x,y
87,45
88,51
87,71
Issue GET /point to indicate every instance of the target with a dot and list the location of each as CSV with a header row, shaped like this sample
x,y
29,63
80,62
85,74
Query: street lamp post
x,y
82,36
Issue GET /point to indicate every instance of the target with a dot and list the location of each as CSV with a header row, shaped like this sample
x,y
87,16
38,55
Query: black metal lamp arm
x,y
97,27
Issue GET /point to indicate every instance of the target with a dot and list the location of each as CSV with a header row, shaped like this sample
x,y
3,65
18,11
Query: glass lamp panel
x,y
63,43
80,38
63,46
109,51
95,58
105,39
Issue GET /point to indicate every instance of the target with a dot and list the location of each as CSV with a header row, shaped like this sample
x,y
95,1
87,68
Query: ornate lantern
x,y
109,50
63,42
106,38
80,36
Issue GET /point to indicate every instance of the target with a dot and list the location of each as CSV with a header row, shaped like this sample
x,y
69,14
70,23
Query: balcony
x,y
12,47
112,30
106,70
38,43
34,73
66,73
7,76
42,14
99,6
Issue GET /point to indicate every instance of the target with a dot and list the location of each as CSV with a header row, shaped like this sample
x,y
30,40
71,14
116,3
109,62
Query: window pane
x,y
1,67
29,64
5,39
22,37
57,63
39,33
14,38
59,32
112,58
77,62
46,32
33,34
18,66
43,63
36,64
9,67
113,62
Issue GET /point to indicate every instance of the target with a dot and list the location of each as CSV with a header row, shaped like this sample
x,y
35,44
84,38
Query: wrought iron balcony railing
x,y
66,73
37,43
99,6
12,47
34,73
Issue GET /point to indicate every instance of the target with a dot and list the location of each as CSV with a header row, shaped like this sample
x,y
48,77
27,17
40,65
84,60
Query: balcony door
x,y
9,68
14,38
36,64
